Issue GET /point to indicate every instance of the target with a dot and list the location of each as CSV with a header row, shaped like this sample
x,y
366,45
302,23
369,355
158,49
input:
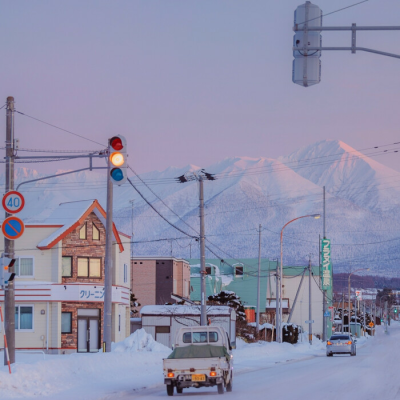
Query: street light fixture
x,y
355,316
279,328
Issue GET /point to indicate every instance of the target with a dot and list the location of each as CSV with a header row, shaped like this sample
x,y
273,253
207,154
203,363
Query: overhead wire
x,y
61,129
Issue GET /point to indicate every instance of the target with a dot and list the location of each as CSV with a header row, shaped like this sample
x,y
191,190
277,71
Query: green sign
x,y
326,264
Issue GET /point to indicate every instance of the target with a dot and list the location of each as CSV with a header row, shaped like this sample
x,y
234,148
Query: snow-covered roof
x,y
184,310
70,215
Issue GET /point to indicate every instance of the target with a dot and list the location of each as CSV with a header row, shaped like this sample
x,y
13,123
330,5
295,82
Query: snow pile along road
x,y
133,364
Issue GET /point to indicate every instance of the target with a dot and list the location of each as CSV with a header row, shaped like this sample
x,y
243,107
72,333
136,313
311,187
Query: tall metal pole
x,y
9,298
108,269
349,306
355,315
343,311
203,315
309,303
364,318
280,291
324,319
258,281
277,302
132,202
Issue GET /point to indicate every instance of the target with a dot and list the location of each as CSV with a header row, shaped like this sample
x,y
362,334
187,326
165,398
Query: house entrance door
x,y
88,331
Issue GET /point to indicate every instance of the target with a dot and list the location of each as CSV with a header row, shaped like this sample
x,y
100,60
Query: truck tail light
x,y
170,375
213,373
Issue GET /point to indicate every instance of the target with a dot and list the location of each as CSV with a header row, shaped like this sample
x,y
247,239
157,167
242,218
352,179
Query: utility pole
x,y
364,317
309,303
108,268
258,281
200,176
277,325
324,319
9,293
203,316
132,201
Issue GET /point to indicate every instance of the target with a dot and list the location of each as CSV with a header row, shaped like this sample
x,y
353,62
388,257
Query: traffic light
x,y
5,275
395,310
117,159
307,66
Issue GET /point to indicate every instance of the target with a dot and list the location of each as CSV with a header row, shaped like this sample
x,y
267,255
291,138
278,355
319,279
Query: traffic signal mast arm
x,y
353,29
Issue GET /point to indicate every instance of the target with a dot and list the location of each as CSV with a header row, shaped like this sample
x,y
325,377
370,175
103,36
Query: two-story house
x,y
59,284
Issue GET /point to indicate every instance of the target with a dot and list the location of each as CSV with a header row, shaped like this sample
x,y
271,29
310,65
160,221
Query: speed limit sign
x,y
13,202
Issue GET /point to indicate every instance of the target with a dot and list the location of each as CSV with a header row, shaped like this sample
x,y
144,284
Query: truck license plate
x,y
198,378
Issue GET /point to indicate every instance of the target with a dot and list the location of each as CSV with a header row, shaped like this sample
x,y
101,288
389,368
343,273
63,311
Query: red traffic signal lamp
x,y
118,159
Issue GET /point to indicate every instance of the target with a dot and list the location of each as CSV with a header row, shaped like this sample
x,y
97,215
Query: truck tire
x,y
179,390
229,385
170,390
220,388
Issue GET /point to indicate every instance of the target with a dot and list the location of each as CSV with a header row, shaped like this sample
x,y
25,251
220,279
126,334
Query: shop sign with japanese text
x,y
326,264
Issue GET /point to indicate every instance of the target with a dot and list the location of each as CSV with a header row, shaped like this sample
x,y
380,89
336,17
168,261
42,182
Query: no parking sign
x,y
12,227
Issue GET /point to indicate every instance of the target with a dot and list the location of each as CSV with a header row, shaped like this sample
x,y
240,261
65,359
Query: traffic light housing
x,y
118,159
5,275
395,310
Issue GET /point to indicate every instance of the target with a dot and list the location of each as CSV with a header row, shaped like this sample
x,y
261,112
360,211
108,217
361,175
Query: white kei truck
x,y
202,356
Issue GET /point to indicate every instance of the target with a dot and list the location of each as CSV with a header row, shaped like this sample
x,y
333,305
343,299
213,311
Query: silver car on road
x,y
341,344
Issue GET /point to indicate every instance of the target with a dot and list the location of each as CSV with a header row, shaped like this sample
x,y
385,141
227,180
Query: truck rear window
x,y
200,337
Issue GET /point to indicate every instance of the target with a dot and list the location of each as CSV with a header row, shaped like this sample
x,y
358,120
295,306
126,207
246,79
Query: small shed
x,y
163,322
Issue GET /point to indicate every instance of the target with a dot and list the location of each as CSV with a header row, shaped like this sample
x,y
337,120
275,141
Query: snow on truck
x,y
201,357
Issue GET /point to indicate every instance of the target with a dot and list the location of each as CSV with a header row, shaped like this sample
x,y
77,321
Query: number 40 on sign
x,y
13,202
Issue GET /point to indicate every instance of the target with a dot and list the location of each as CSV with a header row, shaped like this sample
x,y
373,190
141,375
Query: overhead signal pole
x,y
307,43
200,176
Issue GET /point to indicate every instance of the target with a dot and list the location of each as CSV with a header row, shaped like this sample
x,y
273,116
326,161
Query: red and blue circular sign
x,y
12,228
13,202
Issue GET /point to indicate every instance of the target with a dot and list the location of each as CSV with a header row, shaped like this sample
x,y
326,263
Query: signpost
x,y
12,228
371,324
13,202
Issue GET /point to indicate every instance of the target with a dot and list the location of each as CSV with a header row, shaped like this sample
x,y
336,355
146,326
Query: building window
x,y
125,273
162,329
66,322
239,271
23,266
67,266
89,267
209,270
82,232
23,318
95,233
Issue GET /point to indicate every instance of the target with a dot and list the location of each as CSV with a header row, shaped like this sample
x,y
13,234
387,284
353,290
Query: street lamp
x,y
355,317
279,329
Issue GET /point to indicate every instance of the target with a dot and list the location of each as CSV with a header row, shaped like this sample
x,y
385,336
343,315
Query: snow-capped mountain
x,y
361,205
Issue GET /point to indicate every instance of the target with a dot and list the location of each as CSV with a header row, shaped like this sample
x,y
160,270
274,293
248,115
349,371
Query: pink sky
x,y
194,81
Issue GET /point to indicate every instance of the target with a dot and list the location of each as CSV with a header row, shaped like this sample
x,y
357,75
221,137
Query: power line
x,y
165,219
61,129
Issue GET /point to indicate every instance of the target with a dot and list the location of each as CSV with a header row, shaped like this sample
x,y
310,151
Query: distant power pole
x,y
258,281
200,176
132,202
277,324
9,291
309,303
324,319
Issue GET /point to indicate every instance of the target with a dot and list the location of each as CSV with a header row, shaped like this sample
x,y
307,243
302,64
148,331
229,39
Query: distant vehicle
x,y
201,357
341,344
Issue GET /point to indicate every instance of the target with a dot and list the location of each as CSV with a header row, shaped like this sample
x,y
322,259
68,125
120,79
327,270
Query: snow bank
x,y
139,341
134,363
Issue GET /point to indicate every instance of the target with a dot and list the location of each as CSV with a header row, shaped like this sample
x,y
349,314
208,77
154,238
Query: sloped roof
x,y
70,216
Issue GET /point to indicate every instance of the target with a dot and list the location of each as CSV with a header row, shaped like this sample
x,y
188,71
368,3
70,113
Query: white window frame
x,y
19,318
19,267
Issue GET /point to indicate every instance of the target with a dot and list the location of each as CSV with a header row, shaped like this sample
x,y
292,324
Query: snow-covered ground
x,y
135,367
